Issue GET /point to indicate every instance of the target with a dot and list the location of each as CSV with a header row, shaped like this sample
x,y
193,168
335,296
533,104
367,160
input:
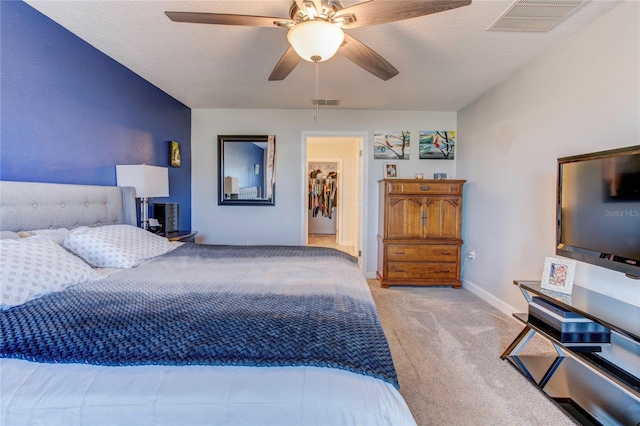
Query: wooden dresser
x,y
419,232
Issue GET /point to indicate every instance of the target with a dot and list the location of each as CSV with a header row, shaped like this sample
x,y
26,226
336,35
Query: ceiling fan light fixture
x,y
315,39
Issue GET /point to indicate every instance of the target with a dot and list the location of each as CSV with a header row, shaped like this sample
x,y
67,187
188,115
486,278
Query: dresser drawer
x,y
418,270
422,252
424,187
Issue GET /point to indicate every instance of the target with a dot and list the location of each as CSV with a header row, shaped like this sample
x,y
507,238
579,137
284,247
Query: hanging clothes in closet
x,y
323,196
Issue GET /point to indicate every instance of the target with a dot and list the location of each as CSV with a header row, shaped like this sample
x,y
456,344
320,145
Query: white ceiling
x,y
446,60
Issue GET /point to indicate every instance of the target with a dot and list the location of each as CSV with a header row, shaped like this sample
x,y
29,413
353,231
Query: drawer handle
x,y
444,272
400,252
399,270
425,188
445,253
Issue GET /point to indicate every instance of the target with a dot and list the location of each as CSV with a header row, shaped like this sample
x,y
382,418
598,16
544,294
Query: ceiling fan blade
x,y
380,12
285,65
226,19
317,5
363,56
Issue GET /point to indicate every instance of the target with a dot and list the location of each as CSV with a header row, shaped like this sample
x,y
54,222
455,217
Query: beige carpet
x,y
329,240
446,346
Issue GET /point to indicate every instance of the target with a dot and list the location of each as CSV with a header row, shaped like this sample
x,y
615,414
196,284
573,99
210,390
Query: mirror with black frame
x,y
246,165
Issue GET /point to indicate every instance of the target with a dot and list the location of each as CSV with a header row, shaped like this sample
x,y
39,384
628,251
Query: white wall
x,y
282,224
582,96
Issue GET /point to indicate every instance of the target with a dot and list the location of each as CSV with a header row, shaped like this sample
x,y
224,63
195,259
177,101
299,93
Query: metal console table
x,y
594,383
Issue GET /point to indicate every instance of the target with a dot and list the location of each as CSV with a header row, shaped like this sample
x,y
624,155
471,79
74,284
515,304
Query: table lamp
x,y
148,181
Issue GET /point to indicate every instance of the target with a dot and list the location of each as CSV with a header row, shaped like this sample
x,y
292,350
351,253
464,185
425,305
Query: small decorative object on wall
x,y
174,153
391,145
558,274
437,144
439,176
390,170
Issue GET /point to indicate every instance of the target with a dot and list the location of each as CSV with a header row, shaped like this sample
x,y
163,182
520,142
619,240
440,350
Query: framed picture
x,y
439,176
174,153
390,170
558,274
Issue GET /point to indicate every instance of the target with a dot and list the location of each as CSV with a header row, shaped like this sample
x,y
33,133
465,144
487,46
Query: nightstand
x,y
182,236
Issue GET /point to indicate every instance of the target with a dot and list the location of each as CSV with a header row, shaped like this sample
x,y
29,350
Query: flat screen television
x,y
598,210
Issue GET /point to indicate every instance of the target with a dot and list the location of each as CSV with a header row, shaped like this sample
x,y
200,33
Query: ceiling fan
x,y
316,29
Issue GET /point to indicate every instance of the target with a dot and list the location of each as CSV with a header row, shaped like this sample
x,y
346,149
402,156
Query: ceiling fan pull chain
x,y
316,59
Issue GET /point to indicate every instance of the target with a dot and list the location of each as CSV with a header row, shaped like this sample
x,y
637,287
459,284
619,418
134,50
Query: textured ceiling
x,y
446,60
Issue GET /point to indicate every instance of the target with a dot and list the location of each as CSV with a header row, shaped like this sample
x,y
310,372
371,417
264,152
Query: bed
x,y
200,334
249,193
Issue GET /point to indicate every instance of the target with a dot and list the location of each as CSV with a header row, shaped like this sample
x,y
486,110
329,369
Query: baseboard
x,y
488,297
370,275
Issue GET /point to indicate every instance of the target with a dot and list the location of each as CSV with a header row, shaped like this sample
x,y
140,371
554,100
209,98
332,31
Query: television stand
x,y
595,383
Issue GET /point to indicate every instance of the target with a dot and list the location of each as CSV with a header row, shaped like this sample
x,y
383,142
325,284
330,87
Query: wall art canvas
x,y
391,145
437,144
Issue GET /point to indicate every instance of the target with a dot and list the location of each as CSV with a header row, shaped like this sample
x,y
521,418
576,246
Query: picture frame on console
x,y
557,275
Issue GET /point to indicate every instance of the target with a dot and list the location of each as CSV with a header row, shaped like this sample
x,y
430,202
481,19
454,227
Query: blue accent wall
x,y
70,113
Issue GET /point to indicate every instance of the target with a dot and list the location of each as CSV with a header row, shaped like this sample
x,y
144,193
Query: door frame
x,y
361,237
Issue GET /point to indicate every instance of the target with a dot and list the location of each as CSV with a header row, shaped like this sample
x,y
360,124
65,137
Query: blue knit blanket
x,y
211,305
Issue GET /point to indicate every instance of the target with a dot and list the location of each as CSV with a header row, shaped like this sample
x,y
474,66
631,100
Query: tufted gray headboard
x,y
30,205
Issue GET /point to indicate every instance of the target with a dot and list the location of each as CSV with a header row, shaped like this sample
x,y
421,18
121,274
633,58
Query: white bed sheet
x,y
80,394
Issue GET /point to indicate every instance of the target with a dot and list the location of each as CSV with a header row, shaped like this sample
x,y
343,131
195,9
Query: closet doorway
x,y
334,193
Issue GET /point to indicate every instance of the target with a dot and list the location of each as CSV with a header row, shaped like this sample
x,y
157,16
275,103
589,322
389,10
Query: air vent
x,y
535,15
325,102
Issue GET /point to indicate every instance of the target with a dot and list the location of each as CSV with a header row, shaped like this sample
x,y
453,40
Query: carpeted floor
x,y
446,345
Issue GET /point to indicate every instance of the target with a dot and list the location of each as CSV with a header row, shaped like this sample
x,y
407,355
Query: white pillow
x,y
57,235
9,235
116,246
34,266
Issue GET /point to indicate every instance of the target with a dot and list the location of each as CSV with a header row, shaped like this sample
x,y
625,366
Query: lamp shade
x,y
149,181
231,185
315,38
